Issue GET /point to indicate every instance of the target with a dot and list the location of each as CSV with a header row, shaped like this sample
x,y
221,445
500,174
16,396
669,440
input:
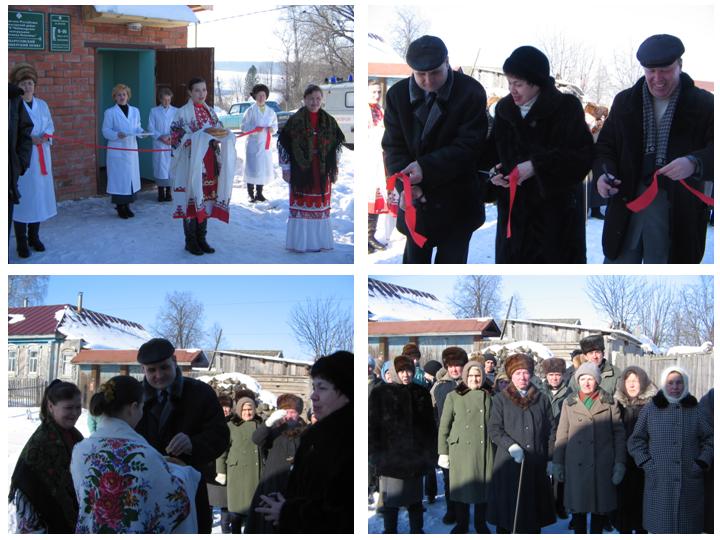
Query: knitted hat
x,y
553,365
468,367
659,50
242,401
488,356
411,350
588,368
454,356
337,369
22,71
518,361
289,401
529,64
403,363
426,53
592,343
432,367
155,350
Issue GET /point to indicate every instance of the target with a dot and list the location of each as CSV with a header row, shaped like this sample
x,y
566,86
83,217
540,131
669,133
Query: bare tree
x,y
619,297
181,320
694,319
517,310
627,69
477,296
656,314
322,325
32,288
571,61
409,26
215,338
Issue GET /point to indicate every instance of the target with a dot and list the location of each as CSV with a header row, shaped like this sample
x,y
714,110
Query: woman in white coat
x,y
258,163
121,125
161,117
36,186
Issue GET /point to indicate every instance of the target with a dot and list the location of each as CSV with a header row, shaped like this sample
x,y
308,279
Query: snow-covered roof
x,y
390,302
538,348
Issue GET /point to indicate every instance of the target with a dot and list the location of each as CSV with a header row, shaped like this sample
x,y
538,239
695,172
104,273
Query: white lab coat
x,y
259,164
123,167
159,125
37,192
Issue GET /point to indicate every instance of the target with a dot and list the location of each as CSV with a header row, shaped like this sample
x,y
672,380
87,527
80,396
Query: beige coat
x,y
588,444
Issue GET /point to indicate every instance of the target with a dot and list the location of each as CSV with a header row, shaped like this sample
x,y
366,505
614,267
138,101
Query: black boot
x,y
161,194
168,194
598,523
201,237
128,211
191,240
34,237
258,194
21,239
479,519
121,211
415,517
372,241
462,511
251,194
390,520
579,523
225,516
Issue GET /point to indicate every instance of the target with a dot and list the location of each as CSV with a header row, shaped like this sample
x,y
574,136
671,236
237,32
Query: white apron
x,y
159,125
37,192
123,167
258,163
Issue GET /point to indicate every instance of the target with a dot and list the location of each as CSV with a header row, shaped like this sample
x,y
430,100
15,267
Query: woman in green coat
x,y
240,465
465,448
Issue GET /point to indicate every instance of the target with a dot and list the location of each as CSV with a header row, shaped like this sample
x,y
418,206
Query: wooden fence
x,y
25,392
698,366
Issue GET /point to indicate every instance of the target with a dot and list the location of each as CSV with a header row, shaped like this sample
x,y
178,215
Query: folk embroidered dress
x,y
309,146
124,485
203,182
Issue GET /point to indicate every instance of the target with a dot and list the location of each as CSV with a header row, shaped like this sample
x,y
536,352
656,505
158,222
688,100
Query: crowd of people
x,y
532,157
155,445
526,443
200,183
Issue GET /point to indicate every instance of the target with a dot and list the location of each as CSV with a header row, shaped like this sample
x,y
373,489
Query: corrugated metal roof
x,y
194,358
485,327
41,320
390,290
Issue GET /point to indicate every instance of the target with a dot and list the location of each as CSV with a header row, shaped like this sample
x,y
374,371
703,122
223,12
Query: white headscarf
x,y
663,379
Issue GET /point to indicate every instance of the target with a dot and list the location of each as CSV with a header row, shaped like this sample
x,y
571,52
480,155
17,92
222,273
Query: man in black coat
x,y
435,130
663,124
182,418
20,127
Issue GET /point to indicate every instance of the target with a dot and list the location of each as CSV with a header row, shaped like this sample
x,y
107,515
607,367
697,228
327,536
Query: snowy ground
x,y
432,518
482,244
89,230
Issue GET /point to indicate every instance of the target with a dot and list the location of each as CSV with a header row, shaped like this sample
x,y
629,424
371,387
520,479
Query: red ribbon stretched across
x,y
410,213
513,179
41,158
648,196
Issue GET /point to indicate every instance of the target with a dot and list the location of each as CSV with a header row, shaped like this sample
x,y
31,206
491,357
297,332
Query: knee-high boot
x,y
462,512
390,519
415,517
34,237
191,240
251,193
579,523
597,523
373,244
479,519
202,237
258,193
21,240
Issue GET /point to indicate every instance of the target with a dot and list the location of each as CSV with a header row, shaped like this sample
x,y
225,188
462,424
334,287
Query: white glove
x,y
444,461
274,417
221,479
516,453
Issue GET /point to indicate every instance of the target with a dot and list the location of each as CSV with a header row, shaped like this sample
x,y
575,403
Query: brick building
x,y
142,46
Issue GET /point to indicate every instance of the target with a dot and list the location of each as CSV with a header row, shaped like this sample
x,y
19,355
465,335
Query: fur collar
x,y
603,396
643,397
661,401
463,389
517,399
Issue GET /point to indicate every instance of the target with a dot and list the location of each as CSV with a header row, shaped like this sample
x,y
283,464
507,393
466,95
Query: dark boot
x,y
258,194
449,516
191,240
129,212
390,519
34,237
462,511
21,239
121,211
201,237
251,194
168,194
373,244
161,194
598,523
479,519
596,213
225,516
236,522
579,523
415,517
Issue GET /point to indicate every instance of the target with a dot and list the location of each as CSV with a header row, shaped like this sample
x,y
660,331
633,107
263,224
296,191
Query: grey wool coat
x,y
463,435
667,440
589,443
241,463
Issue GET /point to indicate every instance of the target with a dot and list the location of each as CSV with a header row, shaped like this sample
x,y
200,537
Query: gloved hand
x,y
444,461
221,479
558,472
618,473
274,417
516,452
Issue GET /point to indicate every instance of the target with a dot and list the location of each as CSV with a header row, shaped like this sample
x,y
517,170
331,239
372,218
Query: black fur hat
x,y
530,64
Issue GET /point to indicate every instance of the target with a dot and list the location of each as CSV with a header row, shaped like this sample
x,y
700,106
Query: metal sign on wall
x,y
60,36
26,30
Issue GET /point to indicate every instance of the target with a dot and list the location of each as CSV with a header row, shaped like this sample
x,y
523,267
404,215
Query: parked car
x,y
339,101
233,119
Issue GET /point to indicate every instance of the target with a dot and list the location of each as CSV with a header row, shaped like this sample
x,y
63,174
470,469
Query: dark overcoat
x,y
620,148
548,217
666,441
447,148
20,127
527,421
319,494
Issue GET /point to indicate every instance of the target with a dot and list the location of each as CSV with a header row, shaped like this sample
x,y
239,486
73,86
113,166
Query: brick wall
x,y
67,82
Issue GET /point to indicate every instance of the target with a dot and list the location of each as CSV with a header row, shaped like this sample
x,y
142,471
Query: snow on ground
x,y
538,348
482,244
89,231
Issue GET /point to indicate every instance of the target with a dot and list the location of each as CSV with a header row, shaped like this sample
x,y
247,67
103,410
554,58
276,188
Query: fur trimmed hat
x,y
403,363
592,343
529,64
553,365
454,356
23,71
289,401
225,401
519,361
337,369
411,350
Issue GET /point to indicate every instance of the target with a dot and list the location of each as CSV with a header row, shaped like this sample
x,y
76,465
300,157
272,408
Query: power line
x,y
247,14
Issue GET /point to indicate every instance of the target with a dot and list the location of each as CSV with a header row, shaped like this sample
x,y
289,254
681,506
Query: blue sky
x,y
252,310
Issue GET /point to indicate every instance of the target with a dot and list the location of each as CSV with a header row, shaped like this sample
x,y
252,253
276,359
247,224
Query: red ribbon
x,y
41,157
648,196
513,179
410,213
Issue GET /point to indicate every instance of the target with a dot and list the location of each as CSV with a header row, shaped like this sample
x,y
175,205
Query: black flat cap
x,y
659,51
155,350
592,343
426,53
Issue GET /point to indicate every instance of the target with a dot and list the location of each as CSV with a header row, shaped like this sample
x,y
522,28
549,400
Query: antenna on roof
x,y
26,302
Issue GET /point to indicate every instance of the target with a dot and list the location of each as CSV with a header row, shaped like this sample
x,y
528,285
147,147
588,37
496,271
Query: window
x,y
12,360
67,366
33,362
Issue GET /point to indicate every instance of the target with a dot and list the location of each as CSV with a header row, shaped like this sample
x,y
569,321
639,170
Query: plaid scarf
x,y
656,137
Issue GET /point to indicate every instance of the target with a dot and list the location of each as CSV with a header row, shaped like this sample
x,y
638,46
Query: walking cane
x,y
517,501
